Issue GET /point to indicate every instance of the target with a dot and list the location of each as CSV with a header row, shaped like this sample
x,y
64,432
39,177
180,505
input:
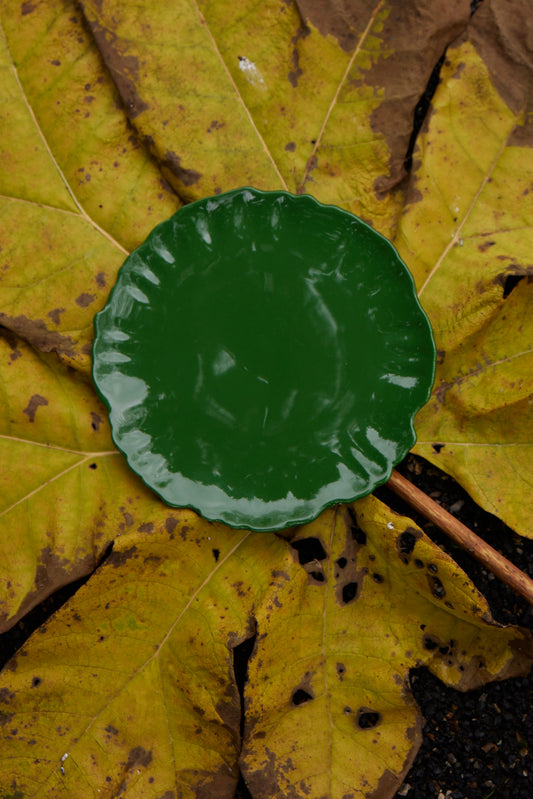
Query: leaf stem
x,y
506,571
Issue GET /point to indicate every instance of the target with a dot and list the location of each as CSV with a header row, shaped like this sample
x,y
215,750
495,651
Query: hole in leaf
x,y
93,466
367,719
35,682
341,563
405,543
511,282
378,578
421,110
436,587
437,447
358,535
300,696
242,791
241,655
216,553
349,592
318,576
14,638
429,643
309,549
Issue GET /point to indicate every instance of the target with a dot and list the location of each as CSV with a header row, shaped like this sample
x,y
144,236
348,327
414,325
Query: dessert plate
x,y
262,356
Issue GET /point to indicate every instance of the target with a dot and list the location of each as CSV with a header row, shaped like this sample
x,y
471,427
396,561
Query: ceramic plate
x,y
262,357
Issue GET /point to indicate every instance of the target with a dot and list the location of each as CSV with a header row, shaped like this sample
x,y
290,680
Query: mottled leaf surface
x,y
112,116
129,690
322,104
467,235
77,191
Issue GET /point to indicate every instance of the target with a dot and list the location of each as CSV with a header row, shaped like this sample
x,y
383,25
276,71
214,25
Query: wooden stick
x,y
462,535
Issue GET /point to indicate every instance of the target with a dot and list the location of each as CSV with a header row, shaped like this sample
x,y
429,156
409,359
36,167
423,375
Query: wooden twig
x,y
462,535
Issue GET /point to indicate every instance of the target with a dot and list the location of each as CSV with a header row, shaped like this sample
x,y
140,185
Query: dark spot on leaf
x,y
85,299
378,578
367,719
429,643
128,519
111,730
436,587
147,527
318,576
419,563
35,402
189,177
290,146
138,756
124,69
35,332
309,549
27,8
358,535
349,592
96,421
300,696
116,559
295,73
405,543
341,563
437,447
341,670
485,245
444,650
441,355
100,279
170,524
433,568
216,554
215,125
93,466
55,315
153,559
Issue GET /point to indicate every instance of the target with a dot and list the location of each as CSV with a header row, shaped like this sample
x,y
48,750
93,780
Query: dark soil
x,y
476,744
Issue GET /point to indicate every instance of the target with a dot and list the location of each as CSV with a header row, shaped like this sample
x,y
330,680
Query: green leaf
x,y
467,228
143,656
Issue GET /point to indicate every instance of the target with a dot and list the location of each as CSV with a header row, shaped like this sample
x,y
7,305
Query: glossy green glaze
x,y
262,356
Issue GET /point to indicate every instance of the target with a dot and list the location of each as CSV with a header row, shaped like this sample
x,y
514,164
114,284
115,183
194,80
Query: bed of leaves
x,y
112,118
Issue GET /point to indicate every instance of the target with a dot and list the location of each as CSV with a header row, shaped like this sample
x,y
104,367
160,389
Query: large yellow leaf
x,y
467,228
130,690
303,96
76,189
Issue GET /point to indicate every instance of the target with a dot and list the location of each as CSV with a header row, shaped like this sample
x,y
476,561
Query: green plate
x,y
262,356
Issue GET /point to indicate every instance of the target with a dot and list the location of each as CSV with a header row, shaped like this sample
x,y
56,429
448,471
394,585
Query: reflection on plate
x,y
262,356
